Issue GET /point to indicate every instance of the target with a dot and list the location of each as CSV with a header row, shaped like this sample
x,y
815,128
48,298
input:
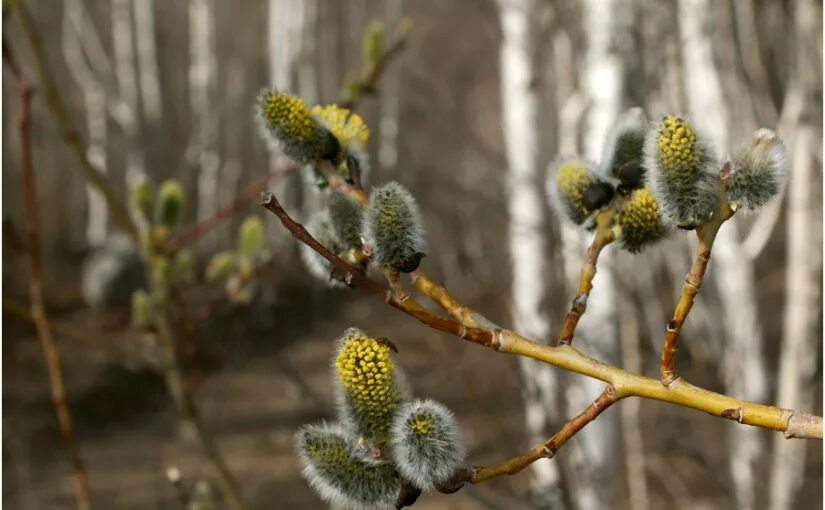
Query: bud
x,y
757,171
368,386
624,149
169,207
286,122
142,310
575,191
683,173
251,238
222,265
141,198
182,269
426,443
345,216
340,474
393,228
373,42
320,227
639,221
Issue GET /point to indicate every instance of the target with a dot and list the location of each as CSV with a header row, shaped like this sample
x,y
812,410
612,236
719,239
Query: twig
x,y
67,131
38,313
185,405
604,236
567,357
705,235
548,449
367,83
203,227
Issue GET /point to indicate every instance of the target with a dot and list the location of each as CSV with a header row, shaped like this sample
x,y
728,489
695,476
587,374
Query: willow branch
x,y
548,449
705,235
67,130
38,313
206,225
366,84
604,236
566,357
188,411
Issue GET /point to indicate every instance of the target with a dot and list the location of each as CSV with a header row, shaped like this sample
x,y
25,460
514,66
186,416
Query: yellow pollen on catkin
x,y
420,425
289,116
676,142
347,127
639,220
365,369
572,179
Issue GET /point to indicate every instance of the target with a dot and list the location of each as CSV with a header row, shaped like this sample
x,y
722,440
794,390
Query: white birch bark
x,y
797,363
94,100
593,456
148,77
527,228
743,365
202,75
127,87
390,98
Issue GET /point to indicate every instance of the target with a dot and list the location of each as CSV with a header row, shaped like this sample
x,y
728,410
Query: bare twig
x,y
705,235
203,227
366,85
604,236
548,449
38,313
567,357
68,132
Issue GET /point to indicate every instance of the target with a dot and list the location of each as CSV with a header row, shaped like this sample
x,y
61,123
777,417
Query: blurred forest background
x,y
467,115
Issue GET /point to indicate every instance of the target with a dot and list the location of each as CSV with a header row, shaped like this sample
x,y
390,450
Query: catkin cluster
x,y
382,441
654,178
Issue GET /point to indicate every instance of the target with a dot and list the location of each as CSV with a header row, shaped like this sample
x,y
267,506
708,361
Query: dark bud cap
x,y
330,148
631,176
686,227
408,496
597,195
409,264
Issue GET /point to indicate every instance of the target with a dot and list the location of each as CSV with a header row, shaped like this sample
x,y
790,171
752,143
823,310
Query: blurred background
x,y
468,114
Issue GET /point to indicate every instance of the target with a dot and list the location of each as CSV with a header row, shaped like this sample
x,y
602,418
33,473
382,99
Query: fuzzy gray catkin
x,y
340,474
393,228
345,216
320,227
575,191
757,171
426,443
624,151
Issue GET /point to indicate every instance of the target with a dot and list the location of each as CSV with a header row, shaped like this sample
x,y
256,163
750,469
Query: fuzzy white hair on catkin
x,y
689,200
347,489
430,460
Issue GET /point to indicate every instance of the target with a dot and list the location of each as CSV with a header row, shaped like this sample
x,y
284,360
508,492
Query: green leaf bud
x,y
222,265
169,207
182,269
140,197
142,309
373,42
251,238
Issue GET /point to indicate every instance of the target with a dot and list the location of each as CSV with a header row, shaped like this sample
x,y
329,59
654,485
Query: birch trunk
x,y
94,100
743,365
593,457
202,74
149,80
527,229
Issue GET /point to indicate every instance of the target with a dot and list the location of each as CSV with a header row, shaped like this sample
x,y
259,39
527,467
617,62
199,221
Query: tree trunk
x,y
527,227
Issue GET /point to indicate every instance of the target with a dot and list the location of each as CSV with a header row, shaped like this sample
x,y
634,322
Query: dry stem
x,y
626,384
38,313
67,131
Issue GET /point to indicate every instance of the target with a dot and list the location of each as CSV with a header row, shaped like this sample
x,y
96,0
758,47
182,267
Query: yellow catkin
x,y
365,369
572,180
420,425
639,220
347,127
289,116
676,142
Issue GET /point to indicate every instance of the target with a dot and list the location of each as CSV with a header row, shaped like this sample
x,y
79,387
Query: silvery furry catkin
x,y
757,171
393,228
